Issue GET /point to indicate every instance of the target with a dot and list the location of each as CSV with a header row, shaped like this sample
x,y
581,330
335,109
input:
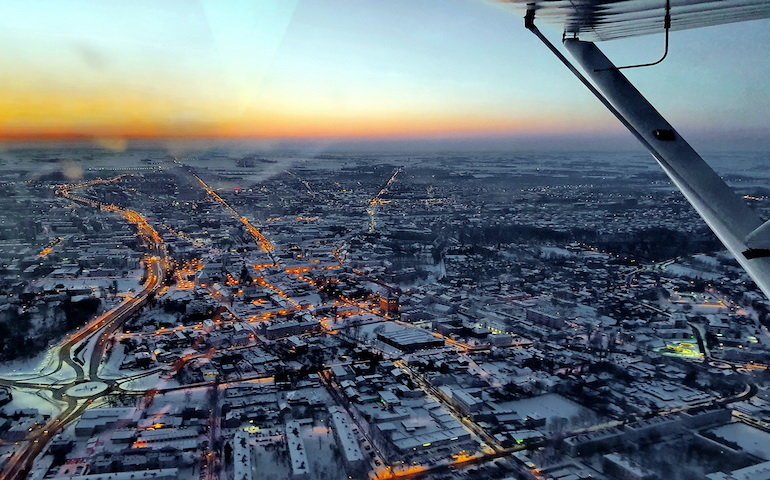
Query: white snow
x,y
750,439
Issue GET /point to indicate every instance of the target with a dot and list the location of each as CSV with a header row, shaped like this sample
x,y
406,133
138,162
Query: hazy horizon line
x,y
609,142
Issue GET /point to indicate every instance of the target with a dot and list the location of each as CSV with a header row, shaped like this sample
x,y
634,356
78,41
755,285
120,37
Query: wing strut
x,y
739,228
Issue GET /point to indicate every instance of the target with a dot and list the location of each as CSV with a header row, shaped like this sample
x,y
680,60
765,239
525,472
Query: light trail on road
x,y
263,242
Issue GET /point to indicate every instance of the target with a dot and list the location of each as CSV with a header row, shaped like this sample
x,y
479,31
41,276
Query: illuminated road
x,y
99,330
385,472
375,202
438,395
263,242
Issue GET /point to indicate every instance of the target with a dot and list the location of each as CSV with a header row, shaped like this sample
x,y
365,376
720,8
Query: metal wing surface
x,y
596,20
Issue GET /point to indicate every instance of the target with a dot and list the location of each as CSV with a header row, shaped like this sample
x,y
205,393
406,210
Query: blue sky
x,y
403,71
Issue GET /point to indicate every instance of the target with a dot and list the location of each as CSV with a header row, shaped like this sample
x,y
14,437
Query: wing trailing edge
x,y
597,20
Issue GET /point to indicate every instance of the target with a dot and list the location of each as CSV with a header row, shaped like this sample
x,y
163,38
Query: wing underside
x,y
596,20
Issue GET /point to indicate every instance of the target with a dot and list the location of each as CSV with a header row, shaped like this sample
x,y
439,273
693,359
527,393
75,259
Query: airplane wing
x,y
740,228
596,20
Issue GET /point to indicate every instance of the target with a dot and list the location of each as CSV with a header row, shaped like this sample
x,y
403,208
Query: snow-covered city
x,y
234,315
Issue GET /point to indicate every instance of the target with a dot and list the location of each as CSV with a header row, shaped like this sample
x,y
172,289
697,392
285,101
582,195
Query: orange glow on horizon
x,y
115,138
109,122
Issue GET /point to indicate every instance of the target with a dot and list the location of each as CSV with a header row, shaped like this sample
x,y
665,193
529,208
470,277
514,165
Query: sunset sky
x,y
404,70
